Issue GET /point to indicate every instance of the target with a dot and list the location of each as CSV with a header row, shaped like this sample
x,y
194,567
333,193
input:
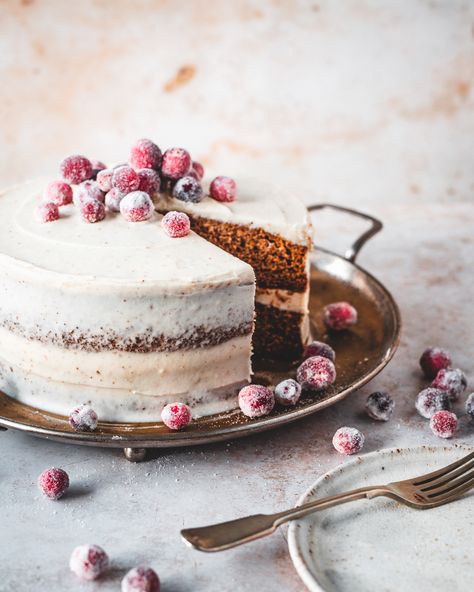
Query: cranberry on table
x,y
149,181
92,211
176,416
188,189
256,400
126,179
223,189
319,348
380,406
136,206
316,373
434,359
113,199
104,179
83,419
141,579
46,212
444,424
430,400
58,192
288,392
145,154
75,169
176,224
176,163
470,406
88,190
88,562
451,380
198,169
339,316
348,440
53,483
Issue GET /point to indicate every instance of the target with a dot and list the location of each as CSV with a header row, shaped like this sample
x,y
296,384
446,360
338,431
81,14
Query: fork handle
x,y
328,502
218,537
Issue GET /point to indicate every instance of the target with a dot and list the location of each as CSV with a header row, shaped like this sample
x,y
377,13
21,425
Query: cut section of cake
x,y
118,315
271,231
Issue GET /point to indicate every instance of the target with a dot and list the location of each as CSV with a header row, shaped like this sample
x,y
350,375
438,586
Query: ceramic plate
x,y
378,544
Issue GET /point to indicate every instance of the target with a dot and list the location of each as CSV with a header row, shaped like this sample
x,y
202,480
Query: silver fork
x,y
423,492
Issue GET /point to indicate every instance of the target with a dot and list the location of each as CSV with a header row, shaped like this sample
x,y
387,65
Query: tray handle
x,y
354,249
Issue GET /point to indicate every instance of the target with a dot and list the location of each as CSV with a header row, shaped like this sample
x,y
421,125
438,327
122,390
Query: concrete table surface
x,y
364,104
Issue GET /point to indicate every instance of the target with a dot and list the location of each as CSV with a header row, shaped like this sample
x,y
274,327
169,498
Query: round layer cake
x,y
120,315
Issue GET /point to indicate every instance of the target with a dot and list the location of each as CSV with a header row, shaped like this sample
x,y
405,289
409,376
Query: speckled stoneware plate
x,y
361,353
380,544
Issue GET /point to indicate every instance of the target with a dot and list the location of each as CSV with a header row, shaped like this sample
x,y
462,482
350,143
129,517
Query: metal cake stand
x,y
360,354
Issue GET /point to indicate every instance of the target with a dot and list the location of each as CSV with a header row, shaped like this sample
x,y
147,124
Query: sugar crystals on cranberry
x,y
431,400
188,189
433,360
287,392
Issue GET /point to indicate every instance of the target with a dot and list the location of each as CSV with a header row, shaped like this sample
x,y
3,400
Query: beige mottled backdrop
x,y
357,102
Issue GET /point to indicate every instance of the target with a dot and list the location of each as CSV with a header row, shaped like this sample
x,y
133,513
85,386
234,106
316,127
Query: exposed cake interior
x,y
274,237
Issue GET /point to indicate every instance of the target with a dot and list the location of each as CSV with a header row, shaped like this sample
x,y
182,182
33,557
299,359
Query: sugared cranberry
x,y
176,163
97,165
136,206
316,373
256,400
339,316
431,400
149,181
318,348
93,211
433,360
58,192
83,419
176,224
53,483
188,189
88,190
444,424
141,579
451,380
288,392
145,155
75,169
176,416
223,189
125,179
348,440
47,212
470,406
88,562
380,406
113,199
104,179
198,169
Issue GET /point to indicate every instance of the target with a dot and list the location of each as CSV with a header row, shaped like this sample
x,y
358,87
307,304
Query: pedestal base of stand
x,y
135,454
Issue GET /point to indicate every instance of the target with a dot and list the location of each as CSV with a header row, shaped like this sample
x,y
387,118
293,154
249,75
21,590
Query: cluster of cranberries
x,y
128,188
448,384
315,373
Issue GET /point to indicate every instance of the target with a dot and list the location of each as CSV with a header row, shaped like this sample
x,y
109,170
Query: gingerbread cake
x,y
109,298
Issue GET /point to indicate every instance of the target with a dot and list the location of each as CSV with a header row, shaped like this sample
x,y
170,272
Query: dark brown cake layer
x,y
148,342
277,262
277,333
